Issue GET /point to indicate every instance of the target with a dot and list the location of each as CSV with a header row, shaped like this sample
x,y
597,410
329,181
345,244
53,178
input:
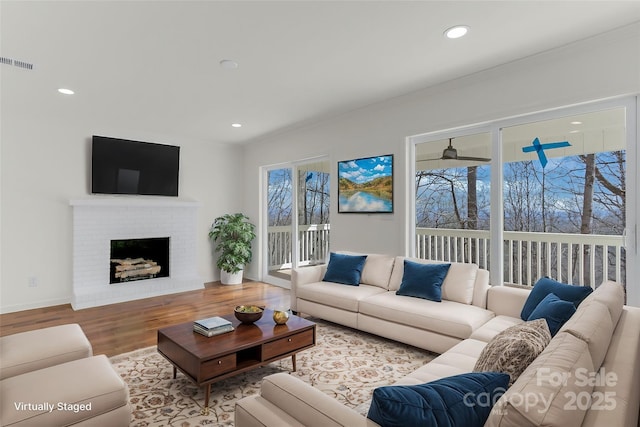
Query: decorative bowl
x,y
248,313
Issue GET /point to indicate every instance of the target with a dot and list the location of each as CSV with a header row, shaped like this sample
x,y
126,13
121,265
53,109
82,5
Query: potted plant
x,y
232,234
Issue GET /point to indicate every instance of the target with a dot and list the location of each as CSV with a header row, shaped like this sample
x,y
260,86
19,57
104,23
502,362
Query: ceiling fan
x,y
451,153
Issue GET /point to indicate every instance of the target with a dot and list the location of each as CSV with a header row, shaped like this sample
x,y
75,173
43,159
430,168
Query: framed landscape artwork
x,y
366,185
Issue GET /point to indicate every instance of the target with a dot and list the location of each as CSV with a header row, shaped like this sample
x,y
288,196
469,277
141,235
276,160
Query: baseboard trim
x,y
34,305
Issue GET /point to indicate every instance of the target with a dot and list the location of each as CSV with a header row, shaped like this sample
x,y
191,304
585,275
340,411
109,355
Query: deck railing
x,y
313,244
584,259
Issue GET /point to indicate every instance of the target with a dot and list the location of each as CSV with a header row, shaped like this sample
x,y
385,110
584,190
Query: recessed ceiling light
x,y
66,91
228,64
576,123
456,32
236,125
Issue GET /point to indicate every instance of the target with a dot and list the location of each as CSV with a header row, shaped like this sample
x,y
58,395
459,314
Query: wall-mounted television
x,y
121,166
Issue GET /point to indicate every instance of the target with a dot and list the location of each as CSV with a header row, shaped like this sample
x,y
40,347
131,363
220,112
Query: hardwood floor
x,y
123,327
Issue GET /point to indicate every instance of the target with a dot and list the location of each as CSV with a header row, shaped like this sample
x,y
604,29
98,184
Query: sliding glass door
x,y
296,211
280,222
553,194
565,199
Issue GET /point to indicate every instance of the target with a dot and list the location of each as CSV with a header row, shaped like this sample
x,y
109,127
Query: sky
x,y
364,170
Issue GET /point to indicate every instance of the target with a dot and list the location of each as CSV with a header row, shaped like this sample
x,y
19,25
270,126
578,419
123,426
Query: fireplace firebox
x,y
139,259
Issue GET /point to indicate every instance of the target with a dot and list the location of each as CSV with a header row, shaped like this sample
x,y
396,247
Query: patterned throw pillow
x,y
513,349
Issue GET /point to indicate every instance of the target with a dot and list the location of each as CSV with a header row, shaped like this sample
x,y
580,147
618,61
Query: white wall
x,y
597,68
45,164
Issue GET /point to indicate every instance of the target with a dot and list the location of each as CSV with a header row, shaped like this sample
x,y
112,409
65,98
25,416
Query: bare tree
x,y
448,198
610,193
279,197
472,198
523,198
313,196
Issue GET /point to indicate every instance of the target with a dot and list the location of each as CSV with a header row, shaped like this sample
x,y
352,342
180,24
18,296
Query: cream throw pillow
x,y
513,349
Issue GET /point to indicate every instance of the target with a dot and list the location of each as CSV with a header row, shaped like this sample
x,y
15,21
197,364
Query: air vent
x,y
16,63
23,64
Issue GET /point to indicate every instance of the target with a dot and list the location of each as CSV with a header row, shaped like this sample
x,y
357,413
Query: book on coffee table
x,y
211,323
212,326
211,332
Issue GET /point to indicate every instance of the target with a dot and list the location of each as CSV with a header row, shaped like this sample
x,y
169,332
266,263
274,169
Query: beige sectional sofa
x,y
588,375
374,307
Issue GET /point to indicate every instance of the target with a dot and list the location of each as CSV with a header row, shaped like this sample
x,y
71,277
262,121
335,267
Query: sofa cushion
x,y
377,270
459,359
461,400
554,310
447,318
41,348
512,350
494,326
345,269
307,405
423,280
592,324
610,294
545,286
546,392
337,295
457,286
618,389
79,391
460,281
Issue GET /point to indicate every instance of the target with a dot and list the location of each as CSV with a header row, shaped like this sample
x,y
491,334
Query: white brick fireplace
x,y
97,221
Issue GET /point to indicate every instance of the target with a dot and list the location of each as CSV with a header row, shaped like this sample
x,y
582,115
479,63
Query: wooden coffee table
x,y
207,360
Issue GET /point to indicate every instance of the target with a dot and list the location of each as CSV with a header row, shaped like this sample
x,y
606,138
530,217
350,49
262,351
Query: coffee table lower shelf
x,y
208,360
207,384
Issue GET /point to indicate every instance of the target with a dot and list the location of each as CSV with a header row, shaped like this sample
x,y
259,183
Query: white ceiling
x,y
153,66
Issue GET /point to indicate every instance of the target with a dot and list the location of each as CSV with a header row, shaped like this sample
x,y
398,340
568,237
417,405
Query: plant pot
x,y
227,278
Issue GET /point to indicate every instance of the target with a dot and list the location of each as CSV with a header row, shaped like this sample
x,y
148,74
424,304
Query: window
x,y
564,195
559,194
452,192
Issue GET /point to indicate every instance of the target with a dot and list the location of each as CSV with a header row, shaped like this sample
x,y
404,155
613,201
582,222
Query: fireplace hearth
x,y
139,259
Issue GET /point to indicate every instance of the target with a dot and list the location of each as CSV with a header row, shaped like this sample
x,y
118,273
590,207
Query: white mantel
x,y
98,220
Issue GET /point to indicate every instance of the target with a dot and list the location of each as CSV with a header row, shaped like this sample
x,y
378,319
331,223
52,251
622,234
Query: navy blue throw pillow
x,y
423,280
458,401
345,269
545,286
554,310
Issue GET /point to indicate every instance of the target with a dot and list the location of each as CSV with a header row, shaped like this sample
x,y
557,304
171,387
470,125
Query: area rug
x,y
345,364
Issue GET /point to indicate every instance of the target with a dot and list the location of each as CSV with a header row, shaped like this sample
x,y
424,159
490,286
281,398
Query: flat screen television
x,y
120,166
